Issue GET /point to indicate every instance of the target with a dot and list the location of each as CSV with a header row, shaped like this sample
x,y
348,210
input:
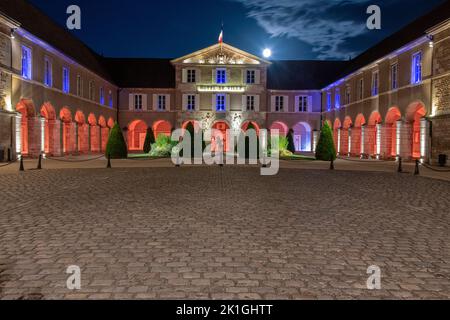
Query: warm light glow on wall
x,y
239,89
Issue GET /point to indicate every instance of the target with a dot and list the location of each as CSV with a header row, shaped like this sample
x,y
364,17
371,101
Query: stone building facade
x,y
59,97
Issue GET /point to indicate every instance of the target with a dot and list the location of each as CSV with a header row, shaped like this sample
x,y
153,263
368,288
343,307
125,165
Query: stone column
x,y
18,133
100,143
89,137
349,149
77,137
423,138
363,137
398,142
378,140
43,135
34,136
339,142
63,147
315,140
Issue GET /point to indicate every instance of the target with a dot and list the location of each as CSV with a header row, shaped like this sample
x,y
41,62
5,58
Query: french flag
x,y
221,36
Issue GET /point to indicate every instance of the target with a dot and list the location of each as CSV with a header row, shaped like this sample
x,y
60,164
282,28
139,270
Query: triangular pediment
x,y
220,54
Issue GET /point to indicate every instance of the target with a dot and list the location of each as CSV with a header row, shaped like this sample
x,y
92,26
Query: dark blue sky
x,y
293,29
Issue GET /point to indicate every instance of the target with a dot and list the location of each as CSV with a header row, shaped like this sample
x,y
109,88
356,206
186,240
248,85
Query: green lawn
x,y
298,157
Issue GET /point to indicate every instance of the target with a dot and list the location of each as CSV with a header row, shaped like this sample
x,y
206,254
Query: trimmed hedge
x,y
149,140
116,146
325,149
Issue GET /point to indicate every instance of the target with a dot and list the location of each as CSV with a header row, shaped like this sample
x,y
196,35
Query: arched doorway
x,y
137,131
162,127
345,147
392,117
220,132
94,133
26,108
372,134
246,124
111,123
281,127
82,132
302,137
357,135
68,136
416,112
336,127
104,133
49,114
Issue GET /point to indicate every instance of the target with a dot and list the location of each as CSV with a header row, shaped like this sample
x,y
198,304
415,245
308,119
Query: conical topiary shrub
x,y
149,140
291,145
325,149
116,147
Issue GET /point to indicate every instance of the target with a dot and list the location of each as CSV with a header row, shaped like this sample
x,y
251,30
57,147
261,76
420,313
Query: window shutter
x,y
228,75
286,104
184,102
197,102
214,76
131,101
310,103
213,102
243,72
244,103
198,75
227,102
168,102
272,103
155,102
144,102
257,76
257,99
184,75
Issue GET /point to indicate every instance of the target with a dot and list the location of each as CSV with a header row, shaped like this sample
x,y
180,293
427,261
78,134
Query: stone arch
x,y
104,133
94,133
302,137
220,132
356,148
137,131
162,127
51,129
28,126
246,124
281,126
372,148
82,132
416,111
393,115
337,125
195,123
345,146
110,123
68,130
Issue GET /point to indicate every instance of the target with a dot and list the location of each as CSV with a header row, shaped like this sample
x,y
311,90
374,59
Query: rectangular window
x,y
417,68
138,102
26,62
375,83
221,76
220,103
102,96
91,90
279,103
337,99
302,104
250,104
251,77
394,76
110,98
191,102
161,102
361,89
79,86
328,101
348,96
191,76
66,80
48,76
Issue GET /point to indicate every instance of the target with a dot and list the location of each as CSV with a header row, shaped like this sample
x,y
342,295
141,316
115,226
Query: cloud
x,y
326,25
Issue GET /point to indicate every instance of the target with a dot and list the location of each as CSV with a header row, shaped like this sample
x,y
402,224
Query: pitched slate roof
x,y
40,25
302,75
141,73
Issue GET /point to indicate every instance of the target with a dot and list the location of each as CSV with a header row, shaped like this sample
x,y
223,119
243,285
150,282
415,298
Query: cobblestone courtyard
x,y
217,233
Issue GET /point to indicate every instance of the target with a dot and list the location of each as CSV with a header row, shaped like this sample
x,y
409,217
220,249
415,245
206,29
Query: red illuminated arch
x,y
68,130
104,132
372,132
357,134
415,112
111,123
247,123
392,117
92,120
49,114
137,131
26,108
220,132
337,125
344,134
162,127
281,127
83,134
94,133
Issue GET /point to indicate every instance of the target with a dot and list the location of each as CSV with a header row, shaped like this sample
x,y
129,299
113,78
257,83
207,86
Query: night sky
x,y
293,29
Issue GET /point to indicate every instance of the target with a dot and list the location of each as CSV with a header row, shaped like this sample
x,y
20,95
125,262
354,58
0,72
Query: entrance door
x,y
222,127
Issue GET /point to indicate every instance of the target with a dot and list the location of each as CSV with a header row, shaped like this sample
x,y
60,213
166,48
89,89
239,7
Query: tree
x,y
149,140
325,149
116,147
290,137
